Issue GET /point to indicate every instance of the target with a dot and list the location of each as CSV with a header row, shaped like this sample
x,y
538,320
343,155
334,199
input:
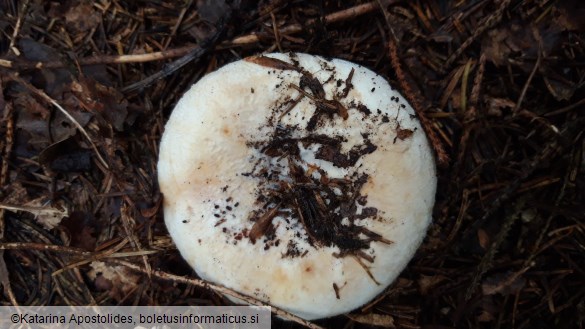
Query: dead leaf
x,y
49,217
496,105
561,90
80,227
107,102
34,118
498,44
569,15
483,238
379,320
81,17
212,10
427,282
518,40
52,81
488,310
119,280
65,156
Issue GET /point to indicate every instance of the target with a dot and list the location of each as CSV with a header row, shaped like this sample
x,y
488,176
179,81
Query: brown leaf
x,y
34,118
426,282
522,39
81,17
570,15
118,279
212,10
80,227
561,90
496,105
53,81
107,102
483,239
65,156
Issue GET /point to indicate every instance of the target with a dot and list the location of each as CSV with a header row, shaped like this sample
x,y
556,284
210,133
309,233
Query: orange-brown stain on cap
x,y
280,276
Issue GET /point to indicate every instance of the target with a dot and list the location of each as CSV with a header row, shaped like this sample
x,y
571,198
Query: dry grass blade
x,y
17,27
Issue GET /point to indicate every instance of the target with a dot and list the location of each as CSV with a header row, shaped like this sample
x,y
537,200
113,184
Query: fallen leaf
x,y
119,280
107,102
569,15
65,156
80,227
497,105
49,217
427,282
483,238
82,17
34,118
52,81
561,90
212,10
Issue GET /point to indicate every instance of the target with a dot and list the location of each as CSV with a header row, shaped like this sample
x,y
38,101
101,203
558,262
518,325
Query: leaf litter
x,y
500,84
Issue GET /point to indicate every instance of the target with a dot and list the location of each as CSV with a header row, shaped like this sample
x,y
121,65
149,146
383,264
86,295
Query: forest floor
x,y
87,87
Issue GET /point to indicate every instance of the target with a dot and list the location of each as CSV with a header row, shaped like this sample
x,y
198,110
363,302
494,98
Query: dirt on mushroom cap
x,y
304,170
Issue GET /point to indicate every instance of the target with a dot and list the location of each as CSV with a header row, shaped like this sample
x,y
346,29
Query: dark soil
x,y
498,84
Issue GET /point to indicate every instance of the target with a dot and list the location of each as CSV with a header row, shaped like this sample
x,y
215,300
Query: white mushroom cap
x,y
304,182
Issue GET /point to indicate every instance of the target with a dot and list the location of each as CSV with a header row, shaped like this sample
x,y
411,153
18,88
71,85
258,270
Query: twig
x,y
487,260
194,54
469,118
338,16
93,257
42,247
532,73
95,60
529,166
276,32
475,90
34,90
7,151
442,157
219,289
383,6
128,223
17,26
183,51
110,253
490,21
566,108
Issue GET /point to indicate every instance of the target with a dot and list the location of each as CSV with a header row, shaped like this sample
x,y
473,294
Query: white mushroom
x,y
305,182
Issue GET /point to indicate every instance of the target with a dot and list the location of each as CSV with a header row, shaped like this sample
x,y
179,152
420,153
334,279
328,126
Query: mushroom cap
x,y
305,182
